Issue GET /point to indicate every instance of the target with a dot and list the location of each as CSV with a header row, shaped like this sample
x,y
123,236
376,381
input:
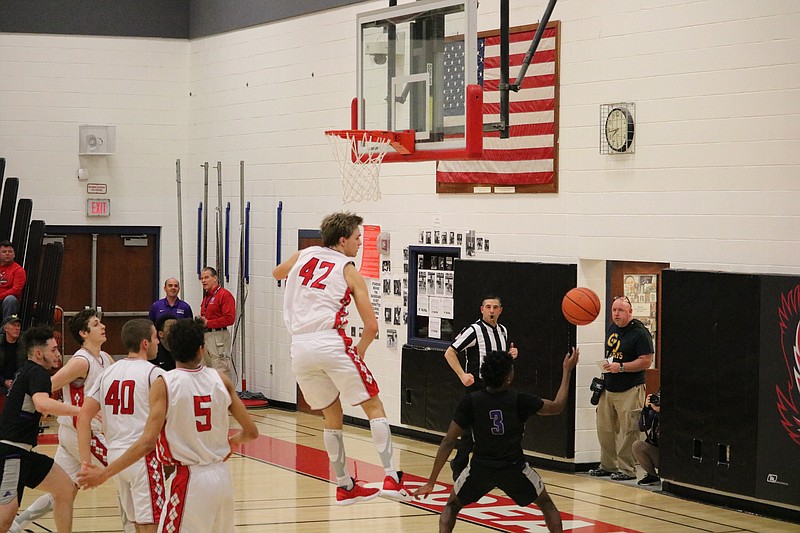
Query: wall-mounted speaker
x,y
97,140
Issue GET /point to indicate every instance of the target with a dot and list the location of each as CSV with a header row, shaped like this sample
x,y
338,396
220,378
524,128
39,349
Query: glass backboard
x,y
416,63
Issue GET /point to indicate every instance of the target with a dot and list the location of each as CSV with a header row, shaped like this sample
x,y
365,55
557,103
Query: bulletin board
x,y
431,278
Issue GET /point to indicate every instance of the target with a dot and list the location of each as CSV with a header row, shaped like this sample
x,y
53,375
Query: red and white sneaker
x,y
394,489
359,493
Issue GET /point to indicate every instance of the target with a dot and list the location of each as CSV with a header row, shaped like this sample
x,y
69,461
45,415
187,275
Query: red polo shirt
x,y
218,308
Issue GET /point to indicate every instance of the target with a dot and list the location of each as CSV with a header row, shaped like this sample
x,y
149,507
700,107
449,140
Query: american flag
x,y
526,160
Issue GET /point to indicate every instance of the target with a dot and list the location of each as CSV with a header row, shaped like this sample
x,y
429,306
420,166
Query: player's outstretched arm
x,y
281,271
442,455
249,430
92,476
89,410
556,406
48,406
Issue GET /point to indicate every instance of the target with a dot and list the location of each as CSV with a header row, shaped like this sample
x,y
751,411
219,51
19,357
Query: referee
x,y
480,338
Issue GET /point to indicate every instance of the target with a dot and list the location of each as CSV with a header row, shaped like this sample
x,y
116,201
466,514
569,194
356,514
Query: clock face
x,y
619,129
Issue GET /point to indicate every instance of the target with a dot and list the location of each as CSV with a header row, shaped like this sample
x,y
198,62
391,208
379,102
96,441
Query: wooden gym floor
x,y
280,484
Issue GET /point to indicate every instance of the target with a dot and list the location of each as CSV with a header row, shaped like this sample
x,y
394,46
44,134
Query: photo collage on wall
x,y
470,243
393,297
642,291
389,289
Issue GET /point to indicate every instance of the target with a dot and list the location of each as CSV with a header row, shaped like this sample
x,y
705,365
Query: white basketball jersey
x,y
123,392
196,431
317,294
73,392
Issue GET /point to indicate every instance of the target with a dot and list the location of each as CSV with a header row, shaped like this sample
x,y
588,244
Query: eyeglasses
x,y
615,298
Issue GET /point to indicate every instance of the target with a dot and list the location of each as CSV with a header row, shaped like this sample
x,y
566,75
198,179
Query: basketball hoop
x,y
359,154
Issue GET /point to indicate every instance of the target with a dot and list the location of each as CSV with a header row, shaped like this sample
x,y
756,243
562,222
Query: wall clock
x,y
617,128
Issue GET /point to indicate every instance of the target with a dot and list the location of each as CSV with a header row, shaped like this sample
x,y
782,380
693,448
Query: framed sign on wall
x,y
430,295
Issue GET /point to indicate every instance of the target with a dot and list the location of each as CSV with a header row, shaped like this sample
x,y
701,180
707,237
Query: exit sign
x,y
98,207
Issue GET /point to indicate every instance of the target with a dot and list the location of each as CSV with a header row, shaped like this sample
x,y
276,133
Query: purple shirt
x,y
160,307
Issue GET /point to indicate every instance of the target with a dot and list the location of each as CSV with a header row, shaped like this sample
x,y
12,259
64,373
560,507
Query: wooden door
x,y
617,273
114,270
305,239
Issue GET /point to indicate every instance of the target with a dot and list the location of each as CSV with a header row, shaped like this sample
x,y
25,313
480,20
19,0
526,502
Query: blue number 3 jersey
x,y
497,421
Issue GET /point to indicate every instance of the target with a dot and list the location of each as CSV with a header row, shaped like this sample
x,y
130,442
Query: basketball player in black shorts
x,y
497,417
20,466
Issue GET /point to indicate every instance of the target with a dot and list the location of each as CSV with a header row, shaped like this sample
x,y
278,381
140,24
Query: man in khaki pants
x,y
218,311
629,352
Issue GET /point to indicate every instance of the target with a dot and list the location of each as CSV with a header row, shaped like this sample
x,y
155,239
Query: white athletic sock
x,y
346,482
382,437
36,510
334,445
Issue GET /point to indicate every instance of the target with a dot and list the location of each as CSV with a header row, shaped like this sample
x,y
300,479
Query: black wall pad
x,y
413,386
7,204
531,294
724,343
48,284
777,475
21,227
33,255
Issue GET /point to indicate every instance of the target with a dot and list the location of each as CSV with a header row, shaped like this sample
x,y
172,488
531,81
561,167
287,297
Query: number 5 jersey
x,y
196,430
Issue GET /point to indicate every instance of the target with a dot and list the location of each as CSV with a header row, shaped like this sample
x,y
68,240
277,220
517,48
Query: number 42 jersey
x,y
123,392
317,294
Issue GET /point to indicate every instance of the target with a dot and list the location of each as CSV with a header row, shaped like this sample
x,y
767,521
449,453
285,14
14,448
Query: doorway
x,y
113,268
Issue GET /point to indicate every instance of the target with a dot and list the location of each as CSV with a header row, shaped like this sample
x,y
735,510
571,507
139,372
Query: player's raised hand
x,y
571,359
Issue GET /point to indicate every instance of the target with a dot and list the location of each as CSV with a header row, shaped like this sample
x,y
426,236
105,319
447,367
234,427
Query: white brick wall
x,y
713,184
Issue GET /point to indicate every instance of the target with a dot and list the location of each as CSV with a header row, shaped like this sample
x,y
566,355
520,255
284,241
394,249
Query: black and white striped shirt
x,y
479,339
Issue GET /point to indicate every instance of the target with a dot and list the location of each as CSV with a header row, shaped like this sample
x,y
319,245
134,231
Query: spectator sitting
x,y
9,351
12,279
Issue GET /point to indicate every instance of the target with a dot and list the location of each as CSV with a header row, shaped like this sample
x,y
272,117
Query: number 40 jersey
x,y
317,294
123,392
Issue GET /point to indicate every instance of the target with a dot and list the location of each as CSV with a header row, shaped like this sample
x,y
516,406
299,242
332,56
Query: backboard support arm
x,y
504,52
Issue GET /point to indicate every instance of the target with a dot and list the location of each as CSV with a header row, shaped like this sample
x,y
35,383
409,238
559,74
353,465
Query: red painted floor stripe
x,y
48,438
497,512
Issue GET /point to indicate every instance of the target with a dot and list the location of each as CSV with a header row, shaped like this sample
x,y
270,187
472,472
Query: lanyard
x,y
207,299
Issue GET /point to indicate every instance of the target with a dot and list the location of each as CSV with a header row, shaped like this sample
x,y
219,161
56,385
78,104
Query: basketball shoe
x,y
394,489
358,493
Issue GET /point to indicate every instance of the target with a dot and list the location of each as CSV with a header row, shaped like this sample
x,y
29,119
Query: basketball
x,y
58,315
580,306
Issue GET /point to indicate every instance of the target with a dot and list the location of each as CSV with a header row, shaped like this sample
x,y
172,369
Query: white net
x,y
359,156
